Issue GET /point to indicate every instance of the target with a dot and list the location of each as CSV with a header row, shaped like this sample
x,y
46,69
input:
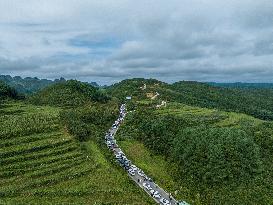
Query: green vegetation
x,y
163,171
131,87
27,85
68,93
90,121
243,85
42,164
213,155
259,101
210,144
7,92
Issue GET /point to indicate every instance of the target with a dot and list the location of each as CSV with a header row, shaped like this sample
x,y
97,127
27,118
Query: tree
x,y
217,155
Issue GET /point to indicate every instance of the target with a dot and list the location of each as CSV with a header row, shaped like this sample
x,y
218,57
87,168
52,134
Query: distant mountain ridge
x,y
242,85
7,92
30,85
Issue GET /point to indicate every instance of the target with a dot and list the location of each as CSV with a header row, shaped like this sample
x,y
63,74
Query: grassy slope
x,y
156,166
47,166
204,114
164,171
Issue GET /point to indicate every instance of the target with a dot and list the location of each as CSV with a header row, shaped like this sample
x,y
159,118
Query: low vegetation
x,y
43,164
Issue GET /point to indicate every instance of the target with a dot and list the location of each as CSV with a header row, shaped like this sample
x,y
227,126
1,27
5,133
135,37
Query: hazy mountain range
x,y
31,84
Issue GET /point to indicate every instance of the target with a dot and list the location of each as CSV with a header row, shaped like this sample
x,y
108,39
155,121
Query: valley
x,y
53,146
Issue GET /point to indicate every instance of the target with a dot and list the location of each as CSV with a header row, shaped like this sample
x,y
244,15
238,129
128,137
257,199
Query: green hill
x,y
209,156
68,93
41,163
255,102
132,87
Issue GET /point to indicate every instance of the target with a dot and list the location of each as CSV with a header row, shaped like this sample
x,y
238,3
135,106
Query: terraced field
x,y
42,164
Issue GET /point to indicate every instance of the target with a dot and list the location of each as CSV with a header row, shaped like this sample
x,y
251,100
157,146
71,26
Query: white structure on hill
x,y
143,87
155,96
163,103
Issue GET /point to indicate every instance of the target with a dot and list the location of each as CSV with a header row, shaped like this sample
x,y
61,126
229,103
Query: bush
x,y
217,155
263,136
88,122
7,92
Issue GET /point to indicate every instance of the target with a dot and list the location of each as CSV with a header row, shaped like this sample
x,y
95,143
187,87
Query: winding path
x,y
136,174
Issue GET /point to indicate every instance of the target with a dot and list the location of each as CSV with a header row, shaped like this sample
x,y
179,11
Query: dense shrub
x,y
158,131
158,134
69,93
222,157
263,136
217,155
7,92
89,122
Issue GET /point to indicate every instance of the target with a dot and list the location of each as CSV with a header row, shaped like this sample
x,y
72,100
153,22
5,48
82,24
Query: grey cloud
x,y
258,15
171,40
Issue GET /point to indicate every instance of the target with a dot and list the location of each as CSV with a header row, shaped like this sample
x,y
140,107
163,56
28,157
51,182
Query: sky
x,y
110,40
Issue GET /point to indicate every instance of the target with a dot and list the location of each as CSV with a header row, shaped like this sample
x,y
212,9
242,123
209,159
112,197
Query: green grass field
x,y
42,164
221,118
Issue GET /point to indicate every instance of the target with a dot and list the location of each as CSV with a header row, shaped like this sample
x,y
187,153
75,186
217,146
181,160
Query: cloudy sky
x,y
110,40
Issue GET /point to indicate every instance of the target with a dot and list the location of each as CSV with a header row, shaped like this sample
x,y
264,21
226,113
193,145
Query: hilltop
x,y
135,88
68,93
259,101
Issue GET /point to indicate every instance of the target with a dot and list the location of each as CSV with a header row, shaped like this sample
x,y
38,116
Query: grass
x,y
210,116
42,164
157,167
